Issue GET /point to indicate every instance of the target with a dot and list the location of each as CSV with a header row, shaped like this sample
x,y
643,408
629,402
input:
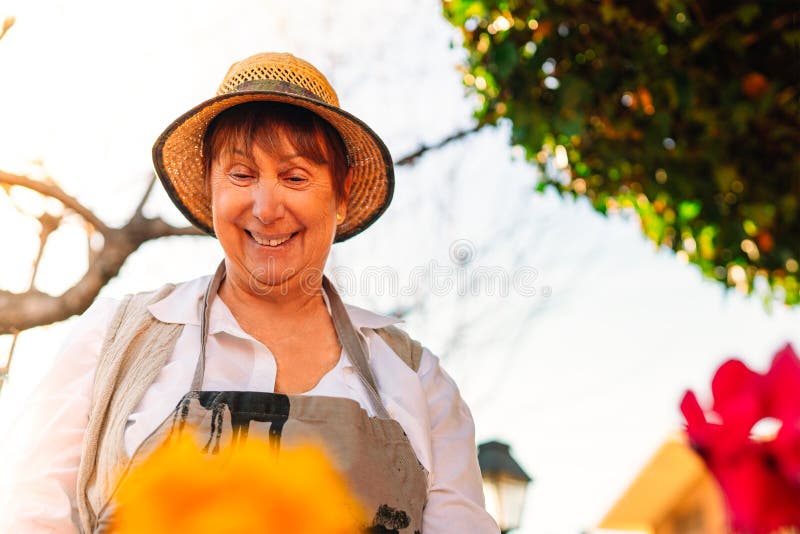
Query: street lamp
x,y
504,484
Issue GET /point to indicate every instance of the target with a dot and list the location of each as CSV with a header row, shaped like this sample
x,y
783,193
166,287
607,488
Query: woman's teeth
x,y
270,242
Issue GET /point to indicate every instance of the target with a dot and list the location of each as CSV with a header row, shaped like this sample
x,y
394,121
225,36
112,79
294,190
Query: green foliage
x,y
686,112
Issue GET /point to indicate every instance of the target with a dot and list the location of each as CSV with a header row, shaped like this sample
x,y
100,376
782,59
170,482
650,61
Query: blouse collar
x,y
183,306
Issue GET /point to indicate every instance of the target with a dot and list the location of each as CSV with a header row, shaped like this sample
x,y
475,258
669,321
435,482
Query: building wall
x,y
673,493
701,511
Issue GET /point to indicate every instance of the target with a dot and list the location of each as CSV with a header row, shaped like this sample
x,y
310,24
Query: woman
x,y
275,170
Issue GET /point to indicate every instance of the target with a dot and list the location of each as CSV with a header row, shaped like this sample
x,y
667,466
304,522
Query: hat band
x,y
278,86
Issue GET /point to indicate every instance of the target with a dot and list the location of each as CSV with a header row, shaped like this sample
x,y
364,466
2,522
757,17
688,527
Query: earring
x,y
339,217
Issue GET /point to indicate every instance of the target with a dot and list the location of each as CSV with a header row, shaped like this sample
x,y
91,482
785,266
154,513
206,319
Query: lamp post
x,y
505,484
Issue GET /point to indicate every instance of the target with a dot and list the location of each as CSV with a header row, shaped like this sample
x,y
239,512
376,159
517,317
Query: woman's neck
x,y
289,302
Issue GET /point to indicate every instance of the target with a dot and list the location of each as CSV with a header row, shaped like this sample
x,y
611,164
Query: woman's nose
x,y
268,203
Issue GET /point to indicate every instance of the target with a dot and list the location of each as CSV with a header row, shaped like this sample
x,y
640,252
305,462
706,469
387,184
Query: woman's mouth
x,y
270,241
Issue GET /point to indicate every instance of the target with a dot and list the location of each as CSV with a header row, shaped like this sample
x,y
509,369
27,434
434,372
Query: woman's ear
x,y
348,182
341,205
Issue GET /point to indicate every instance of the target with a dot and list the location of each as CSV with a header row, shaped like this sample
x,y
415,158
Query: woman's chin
x,y
275,259
277,268
263,281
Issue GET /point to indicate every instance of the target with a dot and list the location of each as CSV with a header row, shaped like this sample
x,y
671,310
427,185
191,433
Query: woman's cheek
x,y
228,202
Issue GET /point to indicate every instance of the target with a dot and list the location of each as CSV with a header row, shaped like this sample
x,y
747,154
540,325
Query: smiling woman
x,y
278,172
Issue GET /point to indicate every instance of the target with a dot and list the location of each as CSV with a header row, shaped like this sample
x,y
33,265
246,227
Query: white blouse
x,y
427,405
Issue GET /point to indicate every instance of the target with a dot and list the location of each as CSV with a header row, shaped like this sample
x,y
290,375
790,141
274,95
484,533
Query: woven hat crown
x,y
278,67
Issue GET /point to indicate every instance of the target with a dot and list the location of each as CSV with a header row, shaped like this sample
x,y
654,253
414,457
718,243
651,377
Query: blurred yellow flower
x,y
240,490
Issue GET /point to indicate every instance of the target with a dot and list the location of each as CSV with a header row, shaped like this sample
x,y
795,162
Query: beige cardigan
x,y
135,348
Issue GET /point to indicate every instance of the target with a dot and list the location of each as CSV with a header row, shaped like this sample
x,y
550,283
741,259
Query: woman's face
x,y
274,213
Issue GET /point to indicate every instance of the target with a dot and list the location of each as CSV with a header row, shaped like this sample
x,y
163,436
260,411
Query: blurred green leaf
x,y
747,13
688,210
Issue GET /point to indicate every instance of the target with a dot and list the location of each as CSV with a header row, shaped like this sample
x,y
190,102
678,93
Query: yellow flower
x,y
246,489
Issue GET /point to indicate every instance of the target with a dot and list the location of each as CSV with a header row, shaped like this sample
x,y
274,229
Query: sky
x,y
580,368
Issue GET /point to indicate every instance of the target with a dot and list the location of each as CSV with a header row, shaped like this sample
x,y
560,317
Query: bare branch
x,y
140,229
145,196
7,23
411,158
20,311
49,223
54,191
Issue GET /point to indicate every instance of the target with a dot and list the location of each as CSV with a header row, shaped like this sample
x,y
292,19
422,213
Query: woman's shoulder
x,y
402,344
397,345
193,287
94,321
168,302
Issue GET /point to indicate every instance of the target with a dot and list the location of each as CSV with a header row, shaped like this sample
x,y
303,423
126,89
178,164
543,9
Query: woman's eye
x,y
240,176
296,179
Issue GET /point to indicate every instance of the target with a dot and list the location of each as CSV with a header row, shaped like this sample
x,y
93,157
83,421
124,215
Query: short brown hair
x,y
266,123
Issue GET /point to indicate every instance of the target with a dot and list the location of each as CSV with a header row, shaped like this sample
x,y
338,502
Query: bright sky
x,y
583,383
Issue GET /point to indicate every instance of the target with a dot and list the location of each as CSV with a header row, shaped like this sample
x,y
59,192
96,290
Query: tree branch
x,y
54,191
21,311
7,23
411,158
145,196
49,223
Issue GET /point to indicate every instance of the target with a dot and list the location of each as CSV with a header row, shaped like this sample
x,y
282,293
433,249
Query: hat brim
x,y
178,160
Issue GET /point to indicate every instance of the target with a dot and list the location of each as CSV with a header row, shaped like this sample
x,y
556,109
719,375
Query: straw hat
x,y
277,77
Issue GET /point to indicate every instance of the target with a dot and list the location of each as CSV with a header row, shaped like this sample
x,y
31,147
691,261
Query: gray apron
x,y
372,453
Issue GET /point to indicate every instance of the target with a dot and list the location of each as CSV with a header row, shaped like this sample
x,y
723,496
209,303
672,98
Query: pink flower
x,y
760,478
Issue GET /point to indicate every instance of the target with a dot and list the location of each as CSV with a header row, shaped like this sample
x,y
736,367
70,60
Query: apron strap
x,y
348,337
211,292
354,346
